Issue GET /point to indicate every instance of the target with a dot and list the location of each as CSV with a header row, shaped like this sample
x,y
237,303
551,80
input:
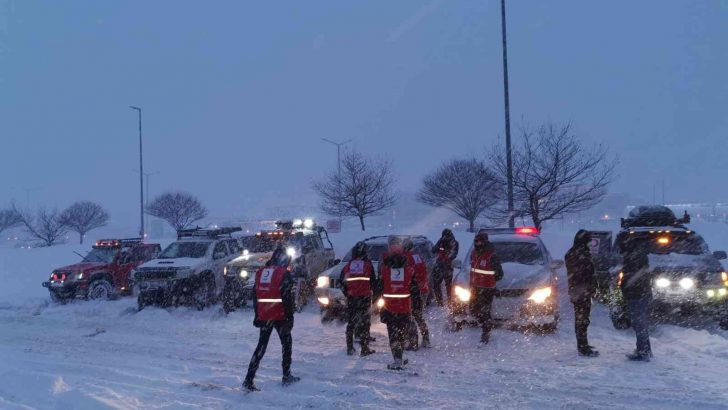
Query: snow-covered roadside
x,y
90,355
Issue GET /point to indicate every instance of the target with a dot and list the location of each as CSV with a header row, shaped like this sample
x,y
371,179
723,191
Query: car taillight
x,y
620,277
526,230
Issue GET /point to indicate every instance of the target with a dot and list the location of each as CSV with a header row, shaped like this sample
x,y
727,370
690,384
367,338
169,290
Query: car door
x,y
314,256
124,262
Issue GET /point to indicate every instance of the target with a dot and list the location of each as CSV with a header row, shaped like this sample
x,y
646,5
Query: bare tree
x,y
84,216
465,186
554,174
9,218
45,225
365,188
179,209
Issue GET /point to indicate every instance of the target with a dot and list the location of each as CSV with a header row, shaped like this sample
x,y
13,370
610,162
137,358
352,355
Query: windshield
x,y
524,253
685,245
374,253
103,255
185,250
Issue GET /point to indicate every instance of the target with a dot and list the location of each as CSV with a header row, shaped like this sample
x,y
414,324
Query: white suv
x,y
188,271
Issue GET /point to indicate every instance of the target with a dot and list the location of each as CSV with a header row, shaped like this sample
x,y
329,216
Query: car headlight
x,y
662,282
324,300
291,251
380,303
540,295
79,276
462,293
243,273
687,283
323,282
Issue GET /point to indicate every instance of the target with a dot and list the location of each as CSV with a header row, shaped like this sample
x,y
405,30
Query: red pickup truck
x,y
103,273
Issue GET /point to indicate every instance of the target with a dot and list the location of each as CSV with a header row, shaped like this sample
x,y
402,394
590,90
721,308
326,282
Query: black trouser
x,y
397,324
582,313
441,272
418,320
639,312
358,320
480,308
283,328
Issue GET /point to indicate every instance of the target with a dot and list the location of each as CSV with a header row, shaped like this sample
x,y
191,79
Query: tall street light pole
x,y
141,175
509,158
338,164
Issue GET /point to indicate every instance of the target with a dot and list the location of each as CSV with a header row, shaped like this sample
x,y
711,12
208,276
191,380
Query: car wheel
x,y
228,300
100,289
204,293
57,299
723,323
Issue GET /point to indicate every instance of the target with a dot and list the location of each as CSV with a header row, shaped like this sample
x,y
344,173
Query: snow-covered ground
x,y
90,355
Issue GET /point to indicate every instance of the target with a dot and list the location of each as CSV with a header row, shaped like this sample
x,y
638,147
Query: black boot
x,y
290,379
366,351
250,386
350,351
426,341
588,351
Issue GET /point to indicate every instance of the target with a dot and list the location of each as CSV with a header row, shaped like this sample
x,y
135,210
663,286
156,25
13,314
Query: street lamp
x,y
141,175
338,162
509,159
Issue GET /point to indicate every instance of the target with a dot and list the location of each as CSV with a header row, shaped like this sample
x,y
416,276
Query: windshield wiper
x,y
92,254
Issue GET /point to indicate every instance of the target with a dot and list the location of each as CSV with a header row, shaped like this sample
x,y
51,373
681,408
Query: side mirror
x,y
557,264
720,255
457,264
219,255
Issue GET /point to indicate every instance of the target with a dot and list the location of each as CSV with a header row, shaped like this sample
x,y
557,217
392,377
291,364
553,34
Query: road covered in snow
x,y
89,355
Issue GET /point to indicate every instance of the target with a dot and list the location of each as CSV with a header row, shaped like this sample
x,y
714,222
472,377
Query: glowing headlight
x,y
540,295
79,276
462,293
308,223
291,251
686,283
246,252
323,282
724,276
243,274
380,303
710,293
722,291
662,282
323,300
297,223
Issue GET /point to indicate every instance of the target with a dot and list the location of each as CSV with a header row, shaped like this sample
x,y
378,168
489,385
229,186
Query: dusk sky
x,y
237,95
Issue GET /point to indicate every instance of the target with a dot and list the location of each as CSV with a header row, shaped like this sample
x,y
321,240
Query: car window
x,y
374,253
233,246
220,247
525,253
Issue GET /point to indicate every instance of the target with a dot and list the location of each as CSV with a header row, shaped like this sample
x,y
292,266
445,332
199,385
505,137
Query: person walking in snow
x,y
446,250
636,285
274,304
485,271
357,279
580,275
397,275
419,291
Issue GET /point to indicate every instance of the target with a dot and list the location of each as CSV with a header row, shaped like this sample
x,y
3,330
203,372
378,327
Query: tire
x,y
228,300
100,289
204,294
550,328
141,301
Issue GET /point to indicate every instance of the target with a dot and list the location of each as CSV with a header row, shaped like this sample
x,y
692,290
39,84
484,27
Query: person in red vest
x,y
446,249
396,276
485,271
274,304
357,279
419,292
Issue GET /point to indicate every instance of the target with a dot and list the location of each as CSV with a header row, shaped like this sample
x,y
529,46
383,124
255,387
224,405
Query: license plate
x,y
506,308
56,284
156,284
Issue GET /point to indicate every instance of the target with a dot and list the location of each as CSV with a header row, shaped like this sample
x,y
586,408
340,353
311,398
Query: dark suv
x,y
103,273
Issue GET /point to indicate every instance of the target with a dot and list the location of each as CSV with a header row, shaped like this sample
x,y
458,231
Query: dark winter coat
x,y
450,245
580,270
289,301
637,280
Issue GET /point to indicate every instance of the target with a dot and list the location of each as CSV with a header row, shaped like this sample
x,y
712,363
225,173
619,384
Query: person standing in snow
x,y
446,250
485,271
636,285
357,279
397,275
580,274
274,304
419,293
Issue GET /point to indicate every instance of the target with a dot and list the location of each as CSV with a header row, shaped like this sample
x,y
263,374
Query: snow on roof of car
x,y
512,237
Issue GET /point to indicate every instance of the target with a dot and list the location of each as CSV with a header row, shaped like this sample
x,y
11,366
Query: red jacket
x,y
357,278
269,297
421,275
483,269
396,282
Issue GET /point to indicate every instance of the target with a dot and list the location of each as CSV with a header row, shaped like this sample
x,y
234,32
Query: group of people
x,y
402,281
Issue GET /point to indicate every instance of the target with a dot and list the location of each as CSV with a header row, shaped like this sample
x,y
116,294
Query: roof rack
x,y
206,233
117,242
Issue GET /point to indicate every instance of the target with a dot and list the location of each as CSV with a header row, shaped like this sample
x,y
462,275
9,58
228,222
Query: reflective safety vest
x,y
358,274
421,275
482,271
269,305
396,294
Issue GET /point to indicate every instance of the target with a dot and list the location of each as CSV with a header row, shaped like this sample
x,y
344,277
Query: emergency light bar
x,y
521,230
296,224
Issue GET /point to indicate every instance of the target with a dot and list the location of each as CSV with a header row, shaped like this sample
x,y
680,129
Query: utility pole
x,y
509,158
141,175
338,162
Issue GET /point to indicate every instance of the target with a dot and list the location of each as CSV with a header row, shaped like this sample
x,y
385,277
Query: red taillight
x,y
526,230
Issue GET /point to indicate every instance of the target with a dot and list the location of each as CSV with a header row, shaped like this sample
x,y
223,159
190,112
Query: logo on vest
x,y
397,275
267,275
356,267
417,258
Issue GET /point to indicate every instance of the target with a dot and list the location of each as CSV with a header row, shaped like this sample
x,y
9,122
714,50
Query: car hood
x,y
173,263
252,259
80,267
515,276
684,263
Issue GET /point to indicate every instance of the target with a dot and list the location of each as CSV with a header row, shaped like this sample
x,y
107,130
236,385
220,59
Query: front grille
x,y
154,274
510,293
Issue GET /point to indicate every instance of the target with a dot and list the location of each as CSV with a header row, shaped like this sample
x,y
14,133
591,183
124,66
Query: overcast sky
x,y
237,95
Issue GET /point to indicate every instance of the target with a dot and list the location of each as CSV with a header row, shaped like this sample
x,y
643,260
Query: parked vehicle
x,y
188,271
104,273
